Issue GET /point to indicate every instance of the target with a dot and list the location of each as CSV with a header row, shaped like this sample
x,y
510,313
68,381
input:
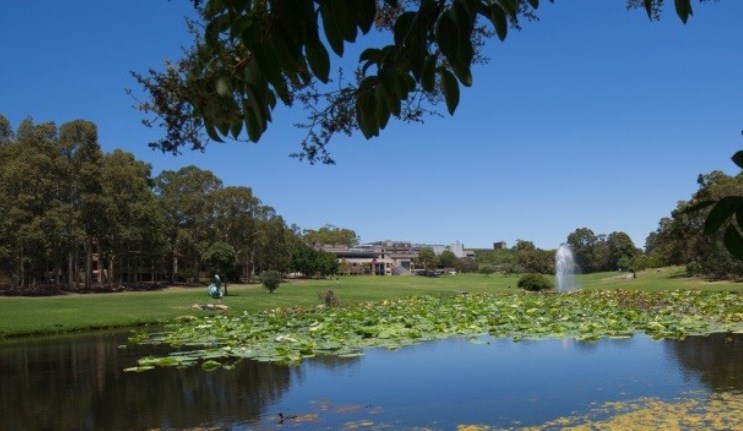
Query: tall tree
x,y
185,198
620,247
133,237
29,188
237,217
582,242
78,143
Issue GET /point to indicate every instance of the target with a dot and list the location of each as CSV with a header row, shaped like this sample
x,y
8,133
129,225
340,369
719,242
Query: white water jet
x,y
565,269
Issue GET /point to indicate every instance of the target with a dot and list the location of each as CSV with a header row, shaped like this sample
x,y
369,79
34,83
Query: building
x,y
385,257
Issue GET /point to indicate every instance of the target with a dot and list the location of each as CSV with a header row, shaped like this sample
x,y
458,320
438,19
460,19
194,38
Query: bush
x,y
534,282
271,280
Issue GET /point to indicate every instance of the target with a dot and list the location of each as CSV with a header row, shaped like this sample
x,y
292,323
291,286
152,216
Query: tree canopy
x,y
249,55
74,214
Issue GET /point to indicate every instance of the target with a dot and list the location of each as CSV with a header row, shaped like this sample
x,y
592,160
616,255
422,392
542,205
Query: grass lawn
x,y
26,316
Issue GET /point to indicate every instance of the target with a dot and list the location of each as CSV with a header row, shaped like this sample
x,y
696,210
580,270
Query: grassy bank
x,y
26,316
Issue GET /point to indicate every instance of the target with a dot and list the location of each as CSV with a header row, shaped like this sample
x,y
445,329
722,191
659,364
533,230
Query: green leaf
x,y
236,128
264,65
683,9
211,365
498,18
698,206
370,54
383,111
534,3
734,242
451,90
319,60
365,14
511,8
649,8
402,26
739,211
366,108
285,51
223,127
447,37
252,124
428,78
344,18
331,32
738,159
720,213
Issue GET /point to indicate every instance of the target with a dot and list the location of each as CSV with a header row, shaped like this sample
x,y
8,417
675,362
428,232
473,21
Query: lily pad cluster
x,y
288,335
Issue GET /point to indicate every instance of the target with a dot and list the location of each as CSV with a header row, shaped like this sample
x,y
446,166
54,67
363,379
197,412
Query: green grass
x,y
27,316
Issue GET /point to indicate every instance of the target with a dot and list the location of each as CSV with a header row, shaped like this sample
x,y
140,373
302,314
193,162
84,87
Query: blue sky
x,y
592,117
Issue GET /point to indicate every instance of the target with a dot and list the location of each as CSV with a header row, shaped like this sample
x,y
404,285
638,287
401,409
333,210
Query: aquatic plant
x,y
290,334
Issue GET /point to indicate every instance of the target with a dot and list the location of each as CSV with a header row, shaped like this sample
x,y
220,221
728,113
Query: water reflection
x,y
716,360
77,383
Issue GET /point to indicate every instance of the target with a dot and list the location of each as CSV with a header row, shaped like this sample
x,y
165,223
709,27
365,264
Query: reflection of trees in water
x,y
332,362
78,383
717,359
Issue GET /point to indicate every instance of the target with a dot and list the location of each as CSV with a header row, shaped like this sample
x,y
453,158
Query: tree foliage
x,y
595,253
426,258
331,235
247,56
697,234
74,215
447,259
529,258
312,262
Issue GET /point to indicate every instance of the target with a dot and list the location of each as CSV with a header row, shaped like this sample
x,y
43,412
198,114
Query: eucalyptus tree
x,y
27,189
78,143
274,244
331,235
533,259
582,242
237,217
6,131
133,236
622,248
185,199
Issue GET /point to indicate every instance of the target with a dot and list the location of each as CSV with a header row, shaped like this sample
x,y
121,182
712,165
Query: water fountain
x,y
565,269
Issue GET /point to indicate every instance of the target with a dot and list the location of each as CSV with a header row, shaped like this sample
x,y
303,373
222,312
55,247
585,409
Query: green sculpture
x,y
215,289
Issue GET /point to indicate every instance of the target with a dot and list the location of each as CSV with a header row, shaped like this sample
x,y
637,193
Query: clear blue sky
x,y
592,117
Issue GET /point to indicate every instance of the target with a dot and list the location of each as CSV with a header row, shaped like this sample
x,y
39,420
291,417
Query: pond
x,y
77,383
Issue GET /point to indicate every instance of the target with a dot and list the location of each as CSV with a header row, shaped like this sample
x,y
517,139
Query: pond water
x,y
77,383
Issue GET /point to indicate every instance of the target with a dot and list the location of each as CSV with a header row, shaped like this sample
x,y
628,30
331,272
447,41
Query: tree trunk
x,y
70,272
88,266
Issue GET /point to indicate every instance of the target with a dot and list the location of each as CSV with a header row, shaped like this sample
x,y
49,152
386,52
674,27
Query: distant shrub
x,y
271,280
487,269
534,282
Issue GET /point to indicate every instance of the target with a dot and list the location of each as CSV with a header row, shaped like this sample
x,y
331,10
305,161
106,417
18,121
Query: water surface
x,y
77,383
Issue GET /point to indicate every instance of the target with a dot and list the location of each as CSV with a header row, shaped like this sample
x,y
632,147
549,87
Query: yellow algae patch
x,y
473,428
722,411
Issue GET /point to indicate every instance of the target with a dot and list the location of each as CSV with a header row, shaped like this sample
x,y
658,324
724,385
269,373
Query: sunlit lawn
x,y
81,312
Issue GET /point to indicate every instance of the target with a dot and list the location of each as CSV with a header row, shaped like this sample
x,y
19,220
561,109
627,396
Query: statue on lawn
x,y
215,289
